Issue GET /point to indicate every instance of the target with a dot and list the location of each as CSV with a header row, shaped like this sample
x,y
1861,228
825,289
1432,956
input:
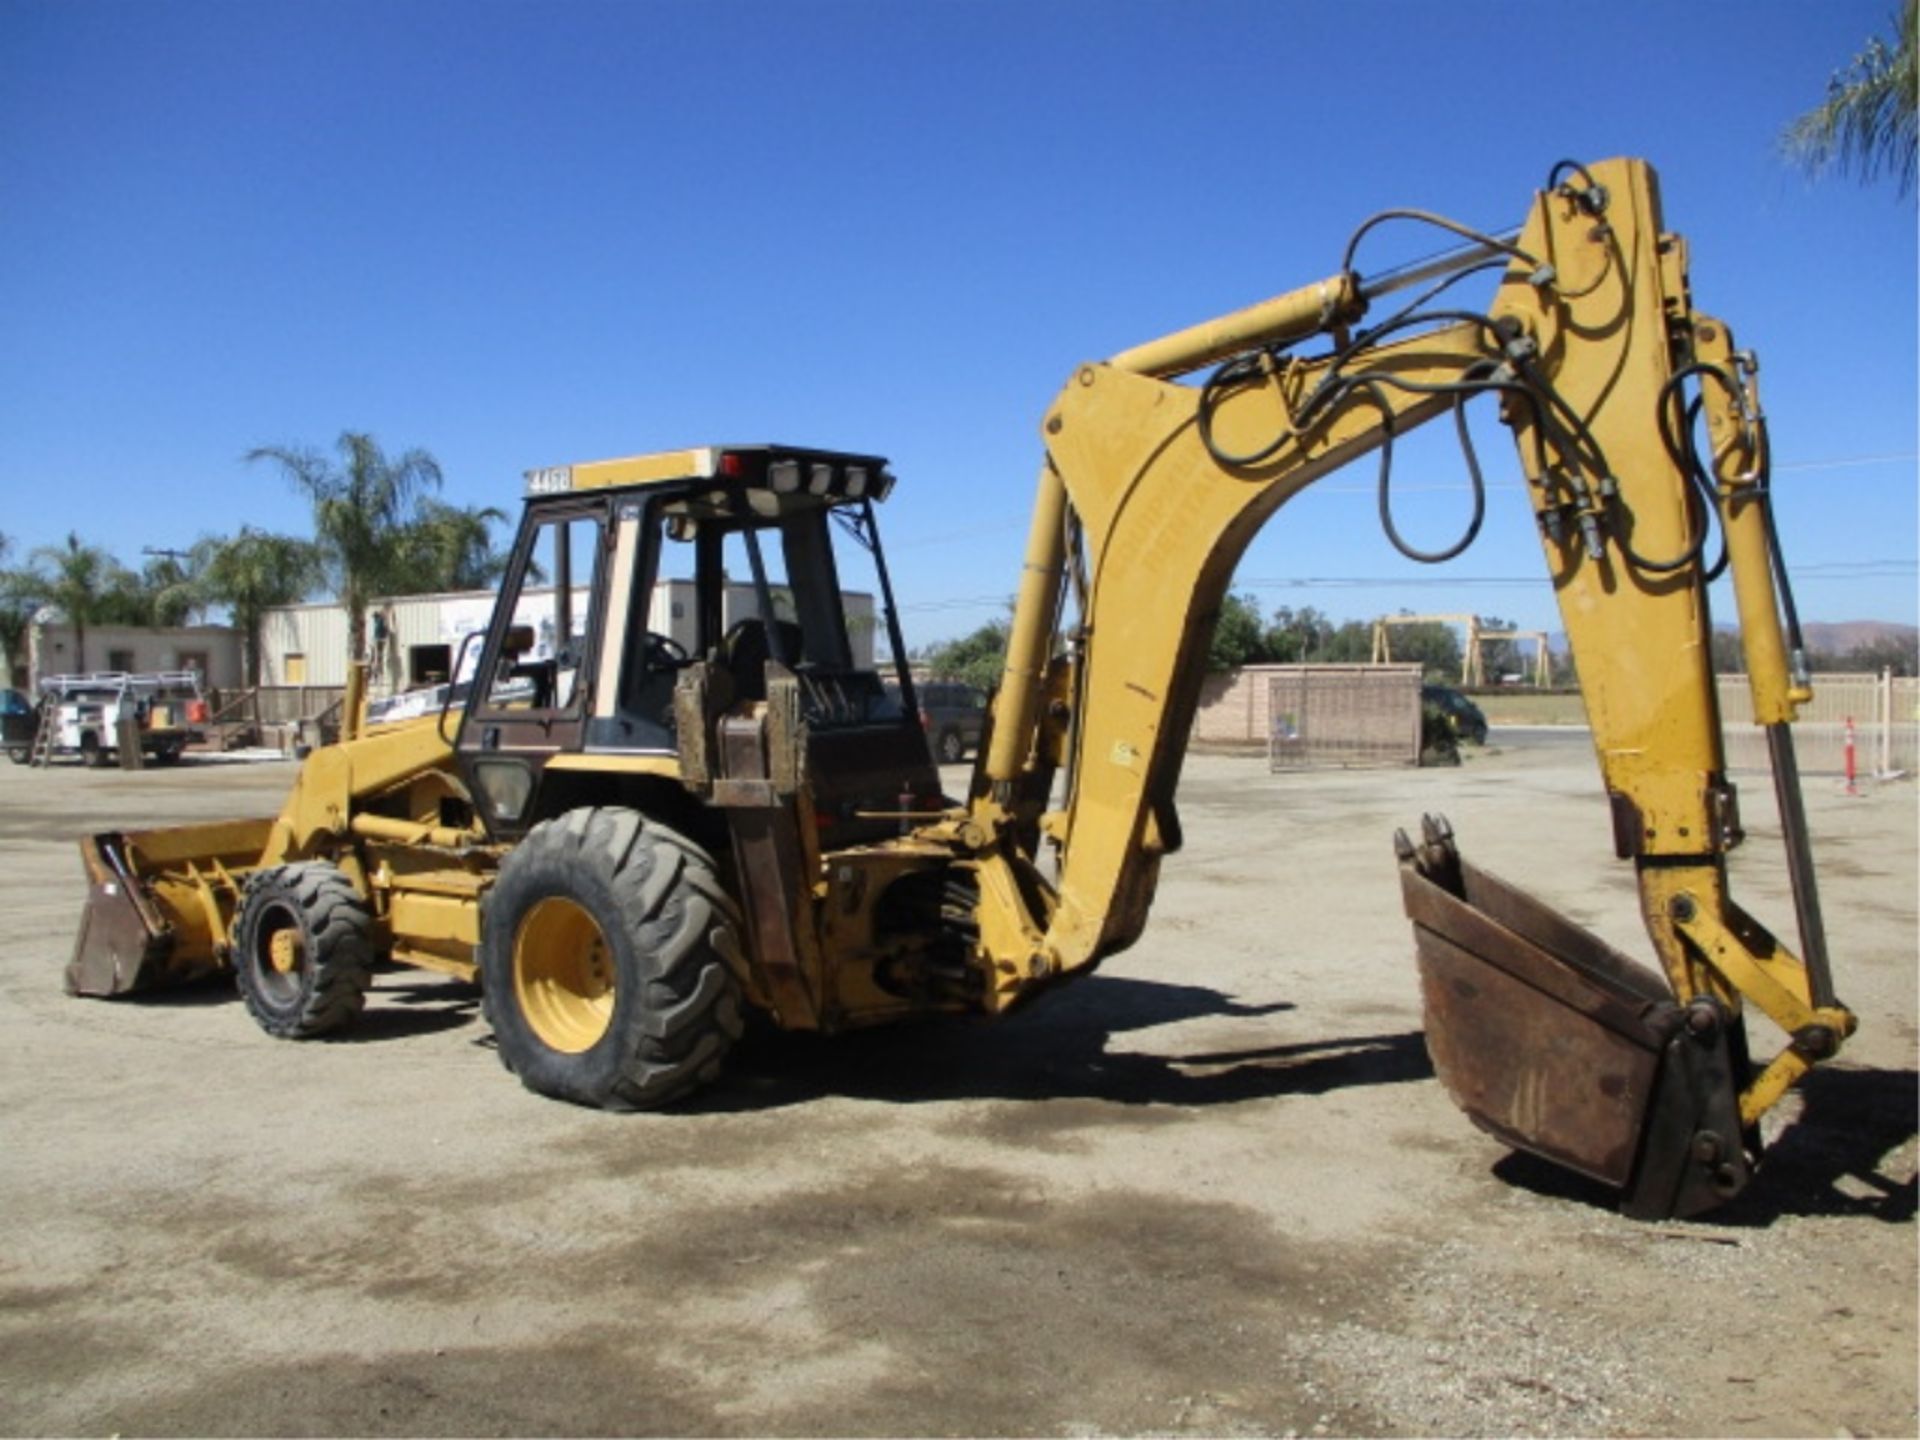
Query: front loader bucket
x,y
125,942
157,903
1557,1044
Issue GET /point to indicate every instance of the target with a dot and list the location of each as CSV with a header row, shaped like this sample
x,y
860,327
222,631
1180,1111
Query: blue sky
x,y
523,235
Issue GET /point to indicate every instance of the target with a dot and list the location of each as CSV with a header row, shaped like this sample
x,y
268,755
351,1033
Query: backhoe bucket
x,y
158,901
1557,1044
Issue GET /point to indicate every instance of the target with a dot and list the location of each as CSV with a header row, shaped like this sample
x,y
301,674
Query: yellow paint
x,y
1163,520
644,469
667,767
563,975
421,914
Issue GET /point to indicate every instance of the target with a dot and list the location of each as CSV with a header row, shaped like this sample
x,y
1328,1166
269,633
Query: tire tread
x,y
681,931
339,933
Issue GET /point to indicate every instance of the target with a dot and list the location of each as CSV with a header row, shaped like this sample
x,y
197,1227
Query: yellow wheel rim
x,y
283,950
563,975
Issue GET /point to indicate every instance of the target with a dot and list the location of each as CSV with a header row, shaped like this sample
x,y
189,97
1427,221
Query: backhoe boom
x,y
1150,492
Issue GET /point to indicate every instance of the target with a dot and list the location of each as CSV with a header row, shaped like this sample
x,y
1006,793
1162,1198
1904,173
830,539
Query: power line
x,y
1436,487
957,602
1817,573
1884,568
1846,464
1414,487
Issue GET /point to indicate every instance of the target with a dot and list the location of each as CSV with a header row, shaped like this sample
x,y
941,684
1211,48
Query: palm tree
x,y
450,547
250,573
362,508
83,581
169,590
1866,125
16,612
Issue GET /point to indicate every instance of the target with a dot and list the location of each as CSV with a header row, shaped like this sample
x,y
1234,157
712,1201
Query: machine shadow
x,y
209,990
401,1003
1829,1161
1058,1050
405,1003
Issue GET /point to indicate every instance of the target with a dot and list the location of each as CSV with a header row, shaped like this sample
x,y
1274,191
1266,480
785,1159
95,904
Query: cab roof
x,y
787,470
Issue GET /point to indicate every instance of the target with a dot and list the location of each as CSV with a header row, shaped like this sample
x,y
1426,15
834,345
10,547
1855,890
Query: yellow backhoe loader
x,y
628,842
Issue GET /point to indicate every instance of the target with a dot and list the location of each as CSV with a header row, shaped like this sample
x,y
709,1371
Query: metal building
x,y
54,648
415,640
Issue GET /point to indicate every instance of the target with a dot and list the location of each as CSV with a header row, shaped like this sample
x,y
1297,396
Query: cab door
x,y
530,691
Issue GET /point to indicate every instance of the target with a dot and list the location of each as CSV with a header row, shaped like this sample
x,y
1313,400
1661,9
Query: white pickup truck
x,y
87,713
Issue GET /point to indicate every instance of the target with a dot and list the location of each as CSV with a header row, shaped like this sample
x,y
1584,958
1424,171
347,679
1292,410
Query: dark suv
x,y
1463,717
18,721
952,715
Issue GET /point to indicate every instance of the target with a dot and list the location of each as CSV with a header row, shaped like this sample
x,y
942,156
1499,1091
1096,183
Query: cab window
x,y
543,657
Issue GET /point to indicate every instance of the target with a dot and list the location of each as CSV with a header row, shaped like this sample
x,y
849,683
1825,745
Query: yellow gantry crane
x,y
1470,673
1473,671
1542,659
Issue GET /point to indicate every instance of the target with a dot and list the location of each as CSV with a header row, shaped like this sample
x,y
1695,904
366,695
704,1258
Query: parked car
x,y
1462,715
952,714
18,721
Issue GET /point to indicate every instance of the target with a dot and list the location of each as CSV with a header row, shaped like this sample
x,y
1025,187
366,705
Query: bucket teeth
x,y
1436,857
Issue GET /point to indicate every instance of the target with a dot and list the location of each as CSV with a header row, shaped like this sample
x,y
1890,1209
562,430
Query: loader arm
x,y
1150,492
161,903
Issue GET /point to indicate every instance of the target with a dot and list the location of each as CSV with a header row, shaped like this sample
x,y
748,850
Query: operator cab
x,y
628,573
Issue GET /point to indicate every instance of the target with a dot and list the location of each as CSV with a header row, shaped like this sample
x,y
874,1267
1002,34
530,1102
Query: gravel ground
x,y
1213,1189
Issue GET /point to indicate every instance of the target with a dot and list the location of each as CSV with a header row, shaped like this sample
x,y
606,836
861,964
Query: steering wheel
x,y
665,647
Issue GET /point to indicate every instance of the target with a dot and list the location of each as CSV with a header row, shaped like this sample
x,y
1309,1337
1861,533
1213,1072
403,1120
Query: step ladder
x,y
44,727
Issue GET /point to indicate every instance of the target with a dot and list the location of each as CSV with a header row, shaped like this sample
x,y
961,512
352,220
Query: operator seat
x,y
745,652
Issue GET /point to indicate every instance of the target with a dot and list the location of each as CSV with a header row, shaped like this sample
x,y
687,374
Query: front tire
x,y
302,950
952,747
605,962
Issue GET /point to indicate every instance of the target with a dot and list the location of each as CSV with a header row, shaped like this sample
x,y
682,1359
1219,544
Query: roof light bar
x,y
830,480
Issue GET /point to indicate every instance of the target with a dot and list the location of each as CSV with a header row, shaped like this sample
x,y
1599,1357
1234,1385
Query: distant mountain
x,y
1838,637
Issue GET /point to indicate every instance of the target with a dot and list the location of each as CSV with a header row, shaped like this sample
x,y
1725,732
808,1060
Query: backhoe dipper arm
x,y
1151,491
1164,524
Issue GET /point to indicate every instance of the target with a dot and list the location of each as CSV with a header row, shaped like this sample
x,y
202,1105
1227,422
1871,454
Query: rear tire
x,y
302,950
605,962
20,754
952,747
92,753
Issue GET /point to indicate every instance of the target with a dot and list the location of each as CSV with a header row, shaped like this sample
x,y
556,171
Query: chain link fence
x,y
1342,715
